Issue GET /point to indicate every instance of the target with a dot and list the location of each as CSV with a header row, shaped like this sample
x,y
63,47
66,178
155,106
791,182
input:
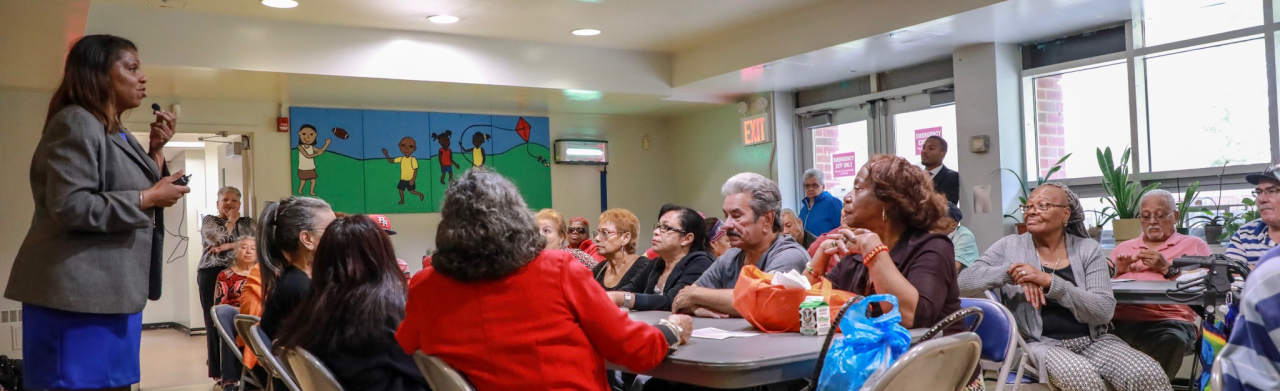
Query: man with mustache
x,y
1253,239
752,206
1164,332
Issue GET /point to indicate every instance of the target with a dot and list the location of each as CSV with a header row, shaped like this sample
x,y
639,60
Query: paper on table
x,y
714,333
982,199
1194,274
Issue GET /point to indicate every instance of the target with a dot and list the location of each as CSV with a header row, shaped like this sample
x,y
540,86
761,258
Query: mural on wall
x,y
375,161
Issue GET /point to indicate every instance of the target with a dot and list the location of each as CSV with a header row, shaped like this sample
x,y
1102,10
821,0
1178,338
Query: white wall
x,y
987,103
706,150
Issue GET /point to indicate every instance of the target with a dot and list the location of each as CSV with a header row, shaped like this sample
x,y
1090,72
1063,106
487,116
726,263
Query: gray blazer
x,y
1091,302
91,248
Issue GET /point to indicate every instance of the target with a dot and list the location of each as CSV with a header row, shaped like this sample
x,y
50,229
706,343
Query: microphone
x,y
155,107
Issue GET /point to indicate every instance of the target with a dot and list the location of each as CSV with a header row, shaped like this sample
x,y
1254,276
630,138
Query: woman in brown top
x,y
895,217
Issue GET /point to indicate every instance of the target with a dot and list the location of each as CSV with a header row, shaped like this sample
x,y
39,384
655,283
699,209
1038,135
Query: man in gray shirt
x,y
751,208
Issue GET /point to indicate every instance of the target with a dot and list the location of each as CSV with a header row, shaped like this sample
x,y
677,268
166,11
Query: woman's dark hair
x,y
690,222
86,79
279,227
908,191
357,292
486,230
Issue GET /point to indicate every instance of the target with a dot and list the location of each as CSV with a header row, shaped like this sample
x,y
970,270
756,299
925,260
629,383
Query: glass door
x,y
912,120
839,150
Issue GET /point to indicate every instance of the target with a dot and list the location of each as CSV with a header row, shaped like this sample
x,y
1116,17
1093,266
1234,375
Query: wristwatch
x,y
1172,272
679,331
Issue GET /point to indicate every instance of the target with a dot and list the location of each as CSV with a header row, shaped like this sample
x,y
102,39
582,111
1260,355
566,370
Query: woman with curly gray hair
x,y
511,316
1056,282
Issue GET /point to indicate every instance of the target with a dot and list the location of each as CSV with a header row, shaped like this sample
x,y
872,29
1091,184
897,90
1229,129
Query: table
x,y
737,362
1155,292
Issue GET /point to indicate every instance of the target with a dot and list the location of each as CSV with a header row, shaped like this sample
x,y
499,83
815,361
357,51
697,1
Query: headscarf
x,y
1075,223
717,231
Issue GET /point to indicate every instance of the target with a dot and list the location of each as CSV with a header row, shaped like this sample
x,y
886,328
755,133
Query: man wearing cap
x,y
383,222
1254,238
962,238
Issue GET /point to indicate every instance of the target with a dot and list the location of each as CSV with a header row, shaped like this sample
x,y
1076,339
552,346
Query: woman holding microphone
x,y
92,255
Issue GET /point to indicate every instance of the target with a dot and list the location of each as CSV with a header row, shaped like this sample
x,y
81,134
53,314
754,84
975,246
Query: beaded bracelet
x,y
871,255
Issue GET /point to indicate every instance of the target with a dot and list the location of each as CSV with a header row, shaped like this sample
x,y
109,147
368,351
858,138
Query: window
x,y
911,128
1208,107
1076,113
1175,20
840,151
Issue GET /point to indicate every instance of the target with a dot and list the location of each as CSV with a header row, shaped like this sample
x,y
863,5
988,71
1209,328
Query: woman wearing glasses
x,y
679,235
551,225
1056,282
616,242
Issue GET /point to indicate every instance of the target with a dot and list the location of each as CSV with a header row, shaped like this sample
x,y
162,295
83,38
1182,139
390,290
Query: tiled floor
x,y
173,361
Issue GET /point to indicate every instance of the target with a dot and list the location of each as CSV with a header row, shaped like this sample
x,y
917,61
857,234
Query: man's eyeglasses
x,y
1157,217
1042,207
812,185
604,233
578,230
663,228
1270,192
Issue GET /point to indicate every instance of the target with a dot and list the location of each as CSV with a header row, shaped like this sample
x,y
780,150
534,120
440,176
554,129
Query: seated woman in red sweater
x,y
510,316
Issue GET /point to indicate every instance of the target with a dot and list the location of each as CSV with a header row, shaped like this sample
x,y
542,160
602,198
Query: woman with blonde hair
x,y
552,226
616,241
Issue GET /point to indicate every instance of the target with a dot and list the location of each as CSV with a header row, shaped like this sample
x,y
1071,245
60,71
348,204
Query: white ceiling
x,y
656,25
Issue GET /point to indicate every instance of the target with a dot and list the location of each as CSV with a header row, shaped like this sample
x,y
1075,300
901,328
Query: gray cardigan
x,y
1091,303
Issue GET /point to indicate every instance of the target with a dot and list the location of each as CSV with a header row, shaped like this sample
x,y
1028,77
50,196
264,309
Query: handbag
x,y
775,308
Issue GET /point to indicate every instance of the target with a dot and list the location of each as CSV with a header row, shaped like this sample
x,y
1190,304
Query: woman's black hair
x,y
358,293
86,79
690,222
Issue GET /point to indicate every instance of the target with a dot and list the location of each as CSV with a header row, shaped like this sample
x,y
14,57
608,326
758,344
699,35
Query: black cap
x,y
954,212
1272,172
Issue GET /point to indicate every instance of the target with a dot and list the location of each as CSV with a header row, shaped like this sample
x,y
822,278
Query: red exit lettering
x,y
755,130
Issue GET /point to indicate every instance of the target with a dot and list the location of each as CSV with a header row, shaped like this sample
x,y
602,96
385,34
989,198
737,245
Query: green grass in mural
x,y
353,186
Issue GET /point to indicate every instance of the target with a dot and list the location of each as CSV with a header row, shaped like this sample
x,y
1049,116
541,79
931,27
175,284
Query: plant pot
x,y
1022,228
1213,234
1095,233
1184,231
1125,229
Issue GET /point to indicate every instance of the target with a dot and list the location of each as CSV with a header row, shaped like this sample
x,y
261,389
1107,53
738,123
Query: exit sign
x,y
756,129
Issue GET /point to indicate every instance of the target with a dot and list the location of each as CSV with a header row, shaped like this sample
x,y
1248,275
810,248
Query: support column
x,y
988,90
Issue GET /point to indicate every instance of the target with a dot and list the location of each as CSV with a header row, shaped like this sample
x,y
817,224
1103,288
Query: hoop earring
x,y
884,215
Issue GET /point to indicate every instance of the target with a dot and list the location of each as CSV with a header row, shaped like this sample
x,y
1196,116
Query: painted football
x,y
341,133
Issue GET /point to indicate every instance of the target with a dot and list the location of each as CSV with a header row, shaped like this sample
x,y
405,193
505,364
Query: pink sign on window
x,y
844,165
924,134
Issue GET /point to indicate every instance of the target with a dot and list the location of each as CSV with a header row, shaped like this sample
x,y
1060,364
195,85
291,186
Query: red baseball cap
x,y
383,222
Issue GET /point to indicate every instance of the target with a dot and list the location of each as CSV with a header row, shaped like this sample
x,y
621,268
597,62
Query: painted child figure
x,y
307,153
408,168
477,151
446,155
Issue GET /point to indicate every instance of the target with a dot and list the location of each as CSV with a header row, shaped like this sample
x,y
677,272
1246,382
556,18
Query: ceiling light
x,y
444,19
280,3
586,32
582,95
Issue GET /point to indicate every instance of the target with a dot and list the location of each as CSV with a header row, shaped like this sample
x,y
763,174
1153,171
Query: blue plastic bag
x,y
868,345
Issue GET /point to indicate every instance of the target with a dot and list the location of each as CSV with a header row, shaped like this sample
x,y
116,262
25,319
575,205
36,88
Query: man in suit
x,y
945,180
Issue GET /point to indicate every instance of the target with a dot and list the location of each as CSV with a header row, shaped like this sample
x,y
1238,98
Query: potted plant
x,y
1250,214
1026,192
1123,195
1193,191
1213,223
1100,219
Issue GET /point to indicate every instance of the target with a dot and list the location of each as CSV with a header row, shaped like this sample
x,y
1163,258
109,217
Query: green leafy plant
x,y
1193,191
1251,213
1102,217
1123,195
1026,192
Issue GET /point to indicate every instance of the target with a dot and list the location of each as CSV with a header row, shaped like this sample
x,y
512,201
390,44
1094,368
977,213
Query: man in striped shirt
x,y
1251,361
1253,239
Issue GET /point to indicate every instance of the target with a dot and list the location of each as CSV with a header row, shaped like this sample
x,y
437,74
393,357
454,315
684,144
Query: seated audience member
x,y
966,245
349,319
792,225
1057,283
893,250
681,237
1164,332
616,241
819,209
508,314
551,225
227,290
1256,237
718,243
751,207
288,233
1249,360
580,238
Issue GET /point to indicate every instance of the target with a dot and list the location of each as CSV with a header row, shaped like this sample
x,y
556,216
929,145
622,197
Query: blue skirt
x,y
74,350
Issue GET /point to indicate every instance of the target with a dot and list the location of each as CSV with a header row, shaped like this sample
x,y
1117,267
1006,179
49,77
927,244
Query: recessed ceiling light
x,y
443,19
586,32
280,3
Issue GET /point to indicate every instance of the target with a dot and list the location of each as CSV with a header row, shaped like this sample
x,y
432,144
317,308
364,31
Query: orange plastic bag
x,y
774,308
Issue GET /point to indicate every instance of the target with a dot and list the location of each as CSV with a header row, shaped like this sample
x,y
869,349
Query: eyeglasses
x,y
578,230
1158,217
1042,207
1270,192
663,228
812,185
604,233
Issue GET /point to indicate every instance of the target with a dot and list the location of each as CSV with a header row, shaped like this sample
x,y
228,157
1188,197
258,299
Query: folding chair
x,y
1025,364
224,321
261,347
310,373
440,375
948,362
